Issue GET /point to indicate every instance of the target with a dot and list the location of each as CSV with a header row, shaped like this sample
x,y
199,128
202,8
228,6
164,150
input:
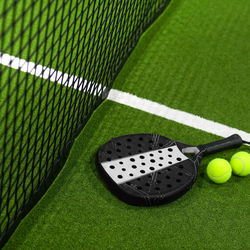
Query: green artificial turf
x,y
196,58
79,212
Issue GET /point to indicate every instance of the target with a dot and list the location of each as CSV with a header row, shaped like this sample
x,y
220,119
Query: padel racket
x,y
149,169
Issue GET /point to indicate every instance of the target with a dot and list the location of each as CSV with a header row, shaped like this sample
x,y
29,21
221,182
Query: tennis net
x,y
58,60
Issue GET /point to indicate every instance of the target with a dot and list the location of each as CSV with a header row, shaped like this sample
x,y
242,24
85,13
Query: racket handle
x,y
233,141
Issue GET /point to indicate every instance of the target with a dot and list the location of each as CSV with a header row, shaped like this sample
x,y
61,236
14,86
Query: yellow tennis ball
x,y
240,163
219,170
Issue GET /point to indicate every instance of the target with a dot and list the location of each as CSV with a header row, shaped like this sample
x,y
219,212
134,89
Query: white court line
x,y
124,98
49,73
176,115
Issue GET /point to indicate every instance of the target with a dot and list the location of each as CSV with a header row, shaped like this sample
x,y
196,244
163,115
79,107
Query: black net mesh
x,y
57,62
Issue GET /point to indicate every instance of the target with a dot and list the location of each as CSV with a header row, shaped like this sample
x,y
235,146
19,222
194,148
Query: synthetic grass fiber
x,y
196,58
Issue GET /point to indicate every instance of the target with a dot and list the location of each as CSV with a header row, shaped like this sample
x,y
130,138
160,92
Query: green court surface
x,y
196,58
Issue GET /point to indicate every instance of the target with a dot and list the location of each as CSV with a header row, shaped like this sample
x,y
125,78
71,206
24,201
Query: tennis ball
x,y
219,170
240,163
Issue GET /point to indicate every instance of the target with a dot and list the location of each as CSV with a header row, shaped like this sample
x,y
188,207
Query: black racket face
x,y
146,169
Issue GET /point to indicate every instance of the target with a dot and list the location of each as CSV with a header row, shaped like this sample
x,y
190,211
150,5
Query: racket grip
x,y
233,141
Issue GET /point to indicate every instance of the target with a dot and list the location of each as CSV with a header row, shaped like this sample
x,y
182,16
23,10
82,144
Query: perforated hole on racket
x,y
150,169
